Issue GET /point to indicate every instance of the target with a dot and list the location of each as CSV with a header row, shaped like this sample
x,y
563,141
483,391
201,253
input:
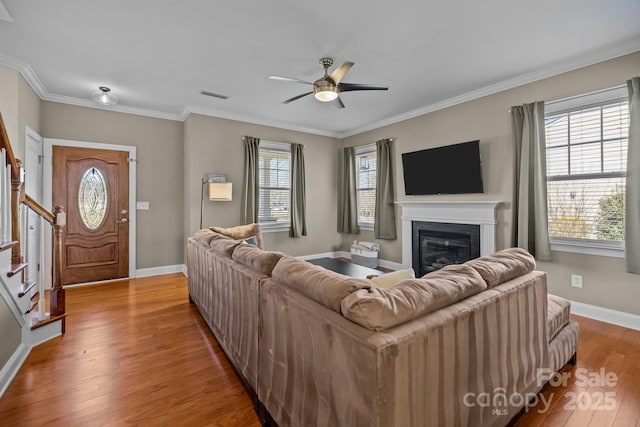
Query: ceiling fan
x,y
328,87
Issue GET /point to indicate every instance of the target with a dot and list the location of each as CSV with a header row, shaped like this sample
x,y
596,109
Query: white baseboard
x,y
12,366
620,318
322,255
184,270
157,271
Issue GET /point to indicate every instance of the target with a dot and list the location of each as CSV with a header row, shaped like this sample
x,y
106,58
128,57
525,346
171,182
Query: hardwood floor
x,y
587,400
137,353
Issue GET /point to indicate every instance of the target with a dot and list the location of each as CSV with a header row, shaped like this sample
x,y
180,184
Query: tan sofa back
x,y
226,294
318,368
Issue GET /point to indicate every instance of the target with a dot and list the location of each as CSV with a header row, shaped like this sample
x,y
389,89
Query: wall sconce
x,y
219,190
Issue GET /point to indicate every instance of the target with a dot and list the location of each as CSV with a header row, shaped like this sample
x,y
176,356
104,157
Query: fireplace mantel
x,y
479,212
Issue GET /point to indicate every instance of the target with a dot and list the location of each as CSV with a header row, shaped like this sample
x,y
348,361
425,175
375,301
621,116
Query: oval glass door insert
x,y
92,198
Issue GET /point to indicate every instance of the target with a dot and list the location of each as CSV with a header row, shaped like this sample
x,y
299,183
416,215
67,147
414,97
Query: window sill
x,y
588,247
366,227
270,228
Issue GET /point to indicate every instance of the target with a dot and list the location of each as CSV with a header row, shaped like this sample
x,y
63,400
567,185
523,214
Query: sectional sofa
x,y
316,348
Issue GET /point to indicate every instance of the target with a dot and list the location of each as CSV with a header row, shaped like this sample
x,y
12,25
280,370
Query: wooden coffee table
x,y
346,268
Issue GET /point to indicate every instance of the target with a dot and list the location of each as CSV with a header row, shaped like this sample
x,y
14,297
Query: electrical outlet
x,y
576,281
142,206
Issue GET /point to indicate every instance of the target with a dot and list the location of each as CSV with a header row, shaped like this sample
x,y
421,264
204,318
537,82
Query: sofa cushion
x,y
242,232
558,311
204,236
382,308
387,280
503,265
321,285
256,259
223,245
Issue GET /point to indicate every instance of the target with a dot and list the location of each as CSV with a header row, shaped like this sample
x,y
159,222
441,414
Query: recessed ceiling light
x,y
104,97
215,95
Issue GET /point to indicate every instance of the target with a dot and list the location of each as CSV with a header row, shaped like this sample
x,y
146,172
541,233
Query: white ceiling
x,y
157,56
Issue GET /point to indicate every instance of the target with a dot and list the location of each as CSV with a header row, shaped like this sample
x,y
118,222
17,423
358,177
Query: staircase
x,y
22,286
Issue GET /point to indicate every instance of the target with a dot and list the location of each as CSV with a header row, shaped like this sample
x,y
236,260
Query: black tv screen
x,y
453,169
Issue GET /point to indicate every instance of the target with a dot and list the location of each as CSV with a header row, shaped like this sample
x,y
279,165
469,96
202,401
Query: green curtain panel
x,y
298,198
632,198
250,193
530,228
385,219
349,214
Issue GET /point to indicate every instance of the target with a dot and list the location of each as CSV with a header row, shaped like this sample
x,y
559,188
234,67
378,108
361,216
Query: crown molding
x,y
80,102
38,87
620,50
247,119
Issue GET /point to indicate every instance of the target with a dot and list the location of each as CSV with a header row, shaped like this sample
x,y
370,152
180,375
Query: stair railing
x,y
12,195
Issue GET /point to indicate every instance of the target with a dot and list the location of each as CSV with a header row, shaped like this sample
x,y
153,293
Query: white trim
x,y
588,249
479,212
275,146
621,49
266,228
185,270
45,333
47,190
62,99
322,255
158,271
13,365
620,318
584,100
364,149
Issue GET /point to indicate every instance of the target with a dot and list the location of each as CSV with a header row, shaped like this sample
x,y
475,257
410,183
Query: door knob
x,y
123,211
122,221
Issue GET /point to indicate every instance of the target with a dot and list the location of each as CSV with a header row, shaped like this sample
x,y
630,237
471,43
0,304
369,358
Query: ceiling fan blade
x,y
296,97
346,87
289,79
339,73
338,103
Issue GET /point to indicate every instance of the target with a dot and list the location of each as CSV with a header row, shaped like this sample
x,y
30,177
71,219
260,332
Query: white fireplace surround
x,y
482,213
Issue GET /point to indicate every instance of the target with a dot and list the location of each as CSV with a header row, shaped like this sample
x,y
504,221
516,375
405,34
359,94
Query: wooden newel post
x,y
57,291
17,196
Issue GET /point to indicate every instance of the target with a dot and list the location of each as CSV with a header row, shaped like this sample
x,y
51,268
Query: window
x,y
274,174
586,167
366,186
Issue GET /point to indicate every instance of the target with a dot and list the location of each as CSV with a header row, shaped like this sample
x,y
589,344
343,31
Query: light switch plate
x,y
142,206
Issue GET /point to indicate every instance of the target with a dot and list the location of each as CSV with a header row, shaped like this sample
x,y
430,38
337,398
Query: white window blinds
x,y
586,167
274,169
366,186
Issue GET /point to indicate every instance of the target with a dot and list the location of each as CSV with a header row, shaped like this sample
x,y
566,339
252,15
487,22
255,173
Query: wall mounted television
x,y
452,169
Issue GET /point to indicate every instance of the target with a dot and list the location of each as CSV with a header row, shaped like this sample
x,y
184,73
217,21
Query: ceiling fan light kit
x,y
329,86
324,91
104,96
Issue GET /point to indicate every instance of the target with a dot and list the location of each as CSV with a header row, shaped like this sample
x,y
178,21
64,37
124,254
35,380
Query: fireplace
x,y
437,244
479,214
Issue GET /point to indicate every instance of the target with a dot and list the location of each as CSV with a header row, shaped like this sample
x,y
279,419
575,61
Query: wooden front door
x,y
93,187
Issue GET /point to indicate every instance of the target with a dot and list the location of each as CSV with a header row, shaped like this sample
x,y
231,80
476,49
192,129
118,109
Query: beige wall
x,y
159,170
214,145
605,282
28,114
9,101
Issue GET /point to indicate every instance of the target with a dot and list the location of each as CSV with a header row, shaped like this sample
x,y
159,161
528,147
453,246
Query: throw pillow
x,y
251,241
389,279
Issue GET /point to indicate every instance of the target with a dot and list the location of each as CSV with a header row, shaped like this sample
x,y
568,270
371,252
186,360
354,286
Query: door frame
x,y
33,137
47,191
